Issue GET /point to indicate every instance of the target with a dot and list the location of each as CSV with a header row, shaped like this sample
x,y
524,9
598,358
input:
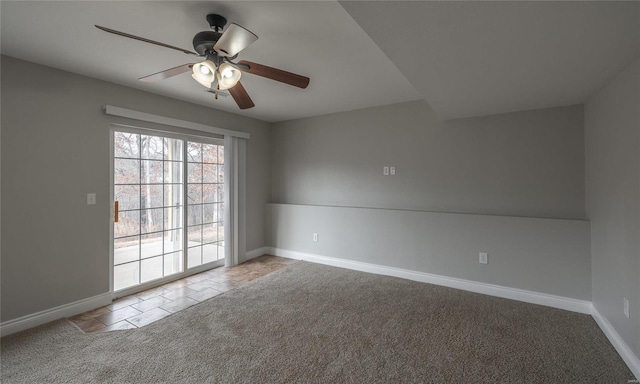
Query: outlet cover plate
x,y
483,258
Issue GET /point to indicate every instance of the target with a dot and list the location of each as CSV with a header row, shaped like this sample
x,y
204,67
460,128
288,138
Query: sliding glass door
x,y
152,175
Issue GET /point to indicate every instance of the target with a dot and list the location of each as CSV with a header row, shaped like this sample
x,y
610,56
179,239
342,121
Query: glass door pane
x,y
148,186
205,199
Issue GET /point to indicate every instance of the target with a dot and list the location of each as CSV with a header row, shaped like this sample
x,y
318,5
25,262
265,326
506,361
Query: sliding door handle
x,y
115,212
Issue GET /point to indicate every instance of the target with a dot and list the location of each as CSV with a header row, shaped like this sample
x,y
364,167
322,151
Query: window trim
x,y
169,121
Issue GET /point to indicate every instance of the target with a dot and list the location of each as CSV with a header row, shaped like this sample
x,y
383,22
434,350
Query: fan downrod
x,y
216,22
203,42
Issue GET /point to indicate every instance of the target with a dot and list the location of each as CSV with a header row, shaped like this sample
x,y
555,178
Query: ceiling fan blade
x,y
274,74
241,96
234,39
167,73
145,40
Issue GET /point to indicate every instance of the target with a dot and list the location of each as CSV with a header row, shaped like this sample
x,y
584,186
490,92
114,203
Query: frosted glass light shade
x,y
228,76
204,73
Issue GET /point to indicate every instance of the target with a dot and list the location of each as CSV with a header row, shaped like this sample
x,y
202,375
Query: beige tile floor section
x,y
154,304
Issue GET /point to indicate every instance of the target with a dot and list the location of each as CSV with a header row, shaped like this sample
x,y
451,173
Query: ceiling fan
x,y
218,72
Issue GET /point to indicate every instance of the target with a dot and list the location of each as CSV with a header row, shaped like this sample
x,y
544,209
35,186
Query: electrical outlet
x,y
625,306
315,237
392,171
91,198
385,171
483,258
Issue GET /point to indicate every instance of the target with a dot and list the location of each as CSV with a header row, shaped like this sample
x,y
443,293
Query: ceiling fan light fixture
x,y
227,72
218,48
228,76
204,73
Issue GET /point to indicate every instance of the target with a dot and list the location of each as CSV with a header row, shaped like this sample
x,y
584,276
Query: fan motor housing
x,y
203,42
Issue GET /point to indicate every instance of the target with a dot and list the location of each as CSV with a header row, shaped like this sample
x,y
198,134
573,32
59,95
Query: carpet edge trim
x,y
618,343
560,302
47,315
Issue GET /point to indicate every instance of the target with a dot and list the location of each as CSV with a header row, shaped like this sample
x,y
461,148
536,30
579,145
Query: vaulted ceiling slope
x,y
317,39
484,57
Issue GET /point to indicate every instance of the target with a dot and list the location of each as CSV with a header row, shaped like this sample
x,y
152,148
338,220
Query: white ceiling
x,y
464,58
470,58
316,39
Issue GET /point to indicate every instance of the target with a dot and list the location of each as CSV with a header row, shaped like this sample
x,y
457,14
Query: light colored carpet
x,y
311,323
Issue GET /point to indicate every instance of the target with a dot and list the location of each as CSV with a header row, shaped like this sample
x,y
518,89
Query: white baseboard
x,y
257,252
566,303
623,349
66,310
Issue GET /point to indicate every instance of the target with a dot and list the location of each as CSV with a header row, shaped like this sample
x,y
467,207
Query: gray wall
x,y
612,120
55,150
327,178
522,164
540,255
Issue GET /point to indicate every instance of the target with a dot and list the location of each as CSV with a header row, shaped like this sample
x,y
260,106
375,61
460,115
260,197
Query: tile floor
x,y
154,304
